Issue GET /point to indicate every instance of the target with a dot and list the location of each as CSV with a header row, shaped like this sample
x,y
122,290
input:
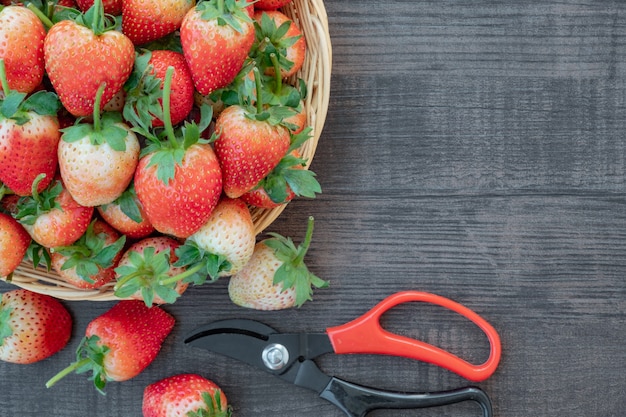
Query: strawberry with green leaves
x,y
53,218
29,135
145,22
21,47
89,263
126,215
189,395
119,344
112,7
276,276
33,326
97,160
180,168
216,37
251,141
14,241
80,55
145,88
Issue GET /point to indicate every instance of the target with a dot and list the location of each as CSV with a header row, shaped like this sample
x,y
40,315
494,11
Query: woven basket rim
x,y
311,17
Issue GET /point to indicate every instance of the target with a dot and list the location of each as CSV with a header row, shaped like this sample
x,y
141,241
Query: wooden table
x,y
473,149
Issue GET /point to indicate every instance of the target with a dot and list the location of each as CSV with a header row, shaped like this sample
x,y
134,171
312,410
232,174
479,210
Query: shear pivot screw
x,y
275,356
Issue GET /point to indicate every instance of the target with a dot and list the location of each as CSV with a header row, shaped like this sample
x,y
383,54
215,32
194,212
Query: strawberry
x,y
270,4
112,7
145,22
184,395
33,326
145,88
276,277
97,161
82,54
126,214
277,34
226,240
29,135
14,241
216,37
21,46
120,343
250,143
89,263
145,266
183,170
53,218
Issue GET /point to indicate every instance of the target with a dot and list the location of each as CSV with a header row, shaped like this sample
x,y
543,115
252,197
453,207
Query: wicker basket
x,y
310,16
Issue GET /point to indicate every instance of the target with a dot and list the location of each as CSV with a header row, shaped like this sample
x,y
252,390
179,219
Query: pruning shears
x,y
290,356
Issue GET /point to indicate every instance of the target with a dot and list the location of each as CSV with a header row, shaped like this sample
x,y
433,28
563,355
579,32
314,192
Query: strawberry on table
x,y
21,47
89,263
29,135
144,22
276,277
97,161
216,36
82,54
120,343
184,395
33,326
14,241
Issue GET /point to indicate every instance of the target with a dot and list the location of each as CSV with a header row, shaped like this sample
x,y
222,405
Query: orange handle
x,y
365,335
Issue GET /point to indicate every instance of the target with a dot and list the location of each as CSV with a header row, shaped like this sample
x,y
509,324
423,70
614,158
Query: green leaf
x,y
77,132
5,328
11,103
44,103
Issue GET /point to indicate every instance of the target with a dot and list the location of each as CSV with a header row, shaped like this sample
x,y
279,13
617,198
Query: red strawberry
x,y
145,266
53,218
250,143
89,263
270,4
184,395
227,239
145,22
97,161
79,58
182,170
21,46
29,135
216,37
144,94
112,7
275,277
33,326
120,343
126,214
277,34
14,241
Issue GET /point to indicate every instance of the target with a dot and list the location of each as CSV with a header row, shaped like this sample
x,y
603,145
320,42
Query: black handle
x,y
357,401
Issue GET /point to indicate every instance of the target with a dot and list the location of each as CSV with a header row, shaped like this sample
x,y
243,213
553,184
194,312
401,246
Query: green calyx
x,y
49,12
255,106
227,12
20,106
272,40
104,129
29,208
212,406
143,91
193,257
89,357
90,254
293,273
96,20
128,203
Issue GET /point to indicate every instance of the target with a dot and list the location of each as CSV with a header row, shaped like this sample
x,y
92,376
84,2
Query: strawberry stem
x,y
277,74
259,90
167,117
96,107
65,372
304,246
182,275
3,78
44,19
35,186
220,6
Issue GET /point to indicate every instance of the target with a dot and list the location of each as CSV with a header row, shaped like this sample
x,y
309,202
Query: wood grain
x,y
474,149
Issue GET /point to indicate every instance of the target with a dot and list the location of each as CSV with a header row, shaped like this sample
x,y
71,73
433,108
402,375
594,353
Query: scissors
x,y
289,356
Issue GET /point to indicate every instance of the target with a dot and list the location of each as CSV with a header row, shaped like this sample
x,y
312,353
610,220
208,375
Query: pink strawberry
x,y
89,263
33,326
81,55
184,395
126,214
97,161
216,36
14,241
120,343
270,4
21,46
276,277
145,22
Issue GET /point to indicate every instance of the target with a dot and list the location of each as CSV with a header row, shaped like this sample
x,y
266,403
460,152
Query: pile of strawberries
x,y
134,140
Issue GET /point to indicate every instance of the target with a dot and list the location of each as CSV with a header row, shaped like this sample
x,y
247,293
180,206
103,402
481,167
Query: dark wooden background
x,y
474,149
